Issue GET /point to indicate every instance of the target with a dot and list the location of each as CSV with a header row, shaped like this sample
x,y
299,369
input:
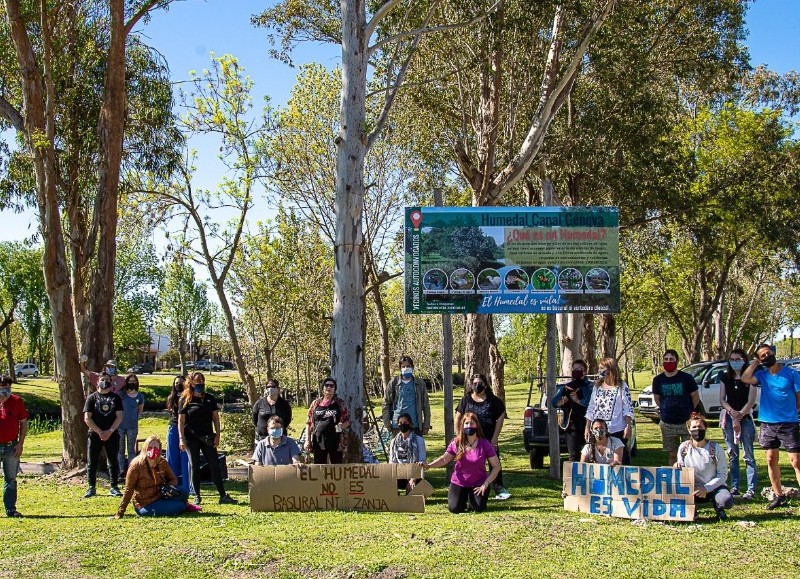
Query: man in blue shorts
x,y
777,413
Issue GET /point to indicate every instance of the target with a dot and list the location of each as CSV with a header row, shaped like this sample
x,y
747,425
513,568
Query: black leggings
x,y
457,498
193,447
96,444
626,456
321,456
575,441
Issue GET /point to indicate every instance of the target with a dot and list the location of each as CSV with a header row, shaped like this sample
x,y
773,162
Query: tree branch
x,y
381,13
10,113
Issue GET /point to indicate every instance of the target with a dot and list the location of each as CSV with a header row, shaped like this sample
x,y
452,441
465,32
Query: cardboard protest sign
x,y
631,492
344,487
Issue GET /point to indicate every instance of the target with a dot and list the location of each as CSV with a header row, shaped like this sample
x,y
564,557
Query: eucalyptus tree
x,y
48,61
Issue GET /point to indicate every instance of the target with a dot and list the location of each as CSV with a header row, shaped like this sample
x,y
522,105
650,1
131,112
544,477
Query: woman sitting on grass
x,y
710,464
471,451
602,448
147,473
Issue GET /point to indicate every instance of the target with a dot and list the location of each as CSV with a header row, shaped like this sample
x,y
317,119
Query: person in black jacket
x,y
271,404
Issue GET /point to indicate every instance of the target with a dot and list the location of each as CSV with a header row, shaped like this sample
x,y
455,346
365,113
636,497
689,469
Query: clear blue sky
x,y
192,28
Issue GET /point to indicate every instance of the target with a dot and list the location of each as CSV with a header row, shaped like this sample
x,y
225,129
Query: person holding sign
x,y
602,448
276,448
611,401
470,451
328,421
710,465
407,447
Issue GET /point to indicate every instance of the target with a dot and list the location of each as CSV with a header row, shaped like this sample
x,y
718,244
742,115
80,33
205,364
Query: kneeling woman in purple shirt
x,y
471,451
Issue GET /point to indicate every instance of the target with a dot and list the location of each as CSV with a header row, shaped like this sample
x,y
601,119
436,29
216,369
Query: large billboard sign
x,y
493,260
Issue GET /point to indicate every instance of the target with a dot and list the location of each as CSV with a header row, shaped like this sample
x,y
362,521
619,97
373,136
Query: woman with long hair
x,y
178,459
611,401
327,424
470,451
199,429
150,482
602,448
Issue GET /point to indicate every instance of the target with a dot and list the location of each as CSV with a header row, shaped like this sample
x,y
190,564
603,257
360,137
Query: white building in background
x,y
159,345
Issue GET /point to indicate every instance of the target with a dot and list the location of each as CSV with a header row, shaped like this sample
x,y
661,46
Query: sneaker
x,y
778,501
502,494
197,500
115,492
722,515
228,500
90,493
735,492
748,496
14,514
192,508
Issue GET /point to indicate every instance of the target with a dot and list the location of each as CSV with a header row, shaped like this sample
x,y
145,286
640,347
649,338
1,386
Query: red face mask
x,y
670,366
153,453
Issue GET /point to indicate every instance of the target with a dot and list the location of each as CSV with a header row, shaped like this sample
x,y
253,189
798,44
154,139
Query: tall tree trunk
x,y
39,132
608,336
708,343
719,328
496,364
10,354
589,346
347,349
479,328
383,326
570,333
246,378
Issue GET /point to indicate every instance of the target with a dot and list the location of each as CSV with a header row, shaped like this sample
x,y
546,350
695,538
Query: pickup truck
x,y
535,433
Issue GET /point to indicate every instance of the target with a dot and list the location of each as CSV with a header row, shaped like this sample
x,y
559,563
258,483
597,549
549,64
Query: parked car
x,y
141,368
708,377
207,365
26,369
535,433
227,365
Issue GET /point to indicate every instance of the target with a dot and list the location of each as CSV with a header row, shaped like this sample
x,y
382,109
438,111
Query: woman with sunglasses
x,y
328,421
199,428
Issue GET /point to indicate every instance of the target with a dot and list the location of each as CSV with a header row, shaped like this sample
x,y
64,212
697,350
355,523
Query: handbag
x,y
168,491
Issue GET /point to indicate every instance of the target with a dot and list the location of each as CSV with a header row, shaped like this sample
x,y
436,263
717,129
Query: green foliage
x,y
130,332
184,312
520,341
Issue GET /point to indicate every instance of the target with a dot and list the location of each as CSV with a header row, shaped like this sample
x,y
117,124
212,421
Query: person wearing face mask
x,y
132,406
707,458
327,425
276,448
491,412
199,429
737,399
13,429
611,401
602,448
777,413
271,404
144,484
406,394
676,395
573,398
110,369
102,413
469,483
178,459
407,447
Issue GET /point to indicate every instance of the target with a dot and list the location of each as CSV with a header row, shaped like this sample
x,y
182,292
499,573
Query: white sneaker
x,y
502,495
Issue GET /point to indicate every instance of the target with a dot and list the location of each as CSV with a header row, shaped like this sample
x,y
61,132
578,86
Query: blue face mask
x,y
111,371
5,392
276,432
736,364
407,372
199,388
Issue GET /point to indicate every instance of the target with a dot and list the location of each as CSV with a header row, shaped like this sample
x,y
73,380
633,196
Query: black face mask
x,y
769,361
404,427
698,434
470,430
478,388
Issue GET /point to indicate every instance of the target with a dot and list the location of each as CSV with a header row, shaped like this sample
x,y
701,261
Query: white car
x,y
27,369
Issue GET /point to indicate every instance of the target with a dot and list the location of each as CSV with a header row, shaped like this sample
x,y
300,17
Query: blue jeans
x,y
164,507
178,459
746,441
10,467
127,442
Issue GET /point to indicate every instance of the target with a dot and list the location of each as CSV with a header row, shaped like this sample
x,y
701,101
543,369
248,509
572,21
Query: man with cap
x,y
110,368
13,428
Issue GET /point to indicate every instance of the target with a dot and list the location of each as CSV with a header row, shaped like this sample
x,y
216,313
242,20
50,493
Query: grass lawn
x,y
528,535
